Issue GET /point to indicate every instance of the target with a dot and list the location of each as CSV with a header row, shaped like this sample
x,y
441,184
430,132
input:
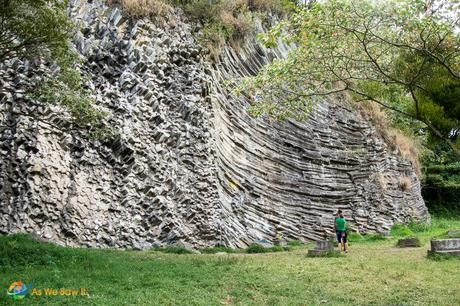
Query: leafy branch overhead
x,y
402,54
41,29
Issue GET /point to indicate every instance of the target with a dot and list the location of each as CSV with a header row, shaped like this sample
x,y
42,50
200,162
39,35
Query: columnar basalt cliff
x,y
190,165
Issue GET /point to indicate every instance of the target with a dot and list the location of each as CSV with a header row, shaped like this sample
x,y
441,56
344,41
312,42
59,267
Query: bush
x,y
255,248
400,230
174,250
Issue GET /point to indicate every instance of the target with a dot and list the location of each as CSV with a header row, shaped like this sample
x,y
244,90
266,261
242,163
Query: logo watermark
x,y
18,290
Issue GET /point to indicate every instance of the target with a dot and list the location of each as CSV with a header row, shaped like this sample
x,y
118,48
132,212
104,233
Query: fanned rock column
x,y
290,178
190,166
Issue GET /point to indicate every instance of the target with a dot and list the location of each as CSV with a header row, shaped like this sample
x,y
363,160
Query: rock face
x,y
190,166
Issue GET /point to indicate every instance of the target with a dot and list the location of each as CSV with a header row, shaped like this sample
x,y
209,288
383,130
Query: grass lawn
x,y
373,273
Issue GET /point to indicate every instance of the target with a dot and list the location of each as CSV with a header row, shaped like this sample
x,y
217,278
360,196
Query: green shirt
x,y
340,224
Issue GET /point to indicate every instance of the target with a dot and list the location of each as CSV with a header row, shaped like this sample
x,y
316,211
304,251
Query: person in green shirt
x,y
341,231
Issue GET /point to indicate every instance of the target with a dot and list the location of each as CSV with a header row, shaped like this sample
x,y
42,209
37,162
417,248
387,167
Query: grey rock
x,y
190,165
445,247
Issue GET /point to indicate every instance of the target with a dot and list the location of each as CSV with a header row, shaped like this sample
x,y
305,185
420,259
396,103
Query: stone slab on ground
x,y
411,242
322,248
445,247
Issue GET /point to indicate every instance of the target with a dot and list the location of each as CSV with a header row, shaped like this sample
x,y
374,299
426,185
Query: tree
x,y
41,29
403,55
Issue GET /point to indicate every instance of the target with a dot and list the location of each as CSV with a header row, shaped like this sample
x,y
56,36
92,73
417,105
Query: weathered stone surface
x,y
445,247
323,247
411,242
190,165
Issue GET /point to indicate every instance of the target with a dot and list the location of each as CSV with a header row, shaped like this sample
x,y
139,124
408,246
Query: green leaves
x,y
387,52
41,29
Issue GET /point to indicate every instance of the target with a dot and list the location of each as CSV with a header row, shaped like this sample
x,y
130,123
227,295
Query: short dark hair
x,y
339,211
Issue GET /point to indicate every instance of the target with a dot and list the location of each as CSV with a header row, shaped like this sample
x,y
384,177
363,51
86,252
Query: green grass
x,y
446,235
294,243
400,230
373,273
356,237
218,249
174,250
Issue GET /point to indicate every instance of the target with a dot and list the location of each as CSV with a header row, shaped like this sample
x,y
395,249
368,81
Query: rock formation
x,y
190,165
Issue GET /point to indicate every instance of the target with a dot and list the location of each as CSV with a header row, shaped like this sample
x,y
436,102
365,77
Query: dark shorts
x,y
341,235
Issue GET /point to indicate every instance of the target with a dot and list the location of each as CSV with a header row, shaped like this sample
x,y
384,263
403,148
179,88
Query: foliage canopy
x,y
402,54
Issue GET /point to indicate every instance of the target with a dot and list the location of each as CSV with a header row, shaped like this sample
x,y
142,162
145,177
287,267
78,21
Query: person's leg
x,y
345,243
339,240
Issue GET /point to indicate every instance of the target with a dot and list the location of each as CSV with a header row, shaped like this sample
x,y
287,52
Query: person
x,y
340,226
